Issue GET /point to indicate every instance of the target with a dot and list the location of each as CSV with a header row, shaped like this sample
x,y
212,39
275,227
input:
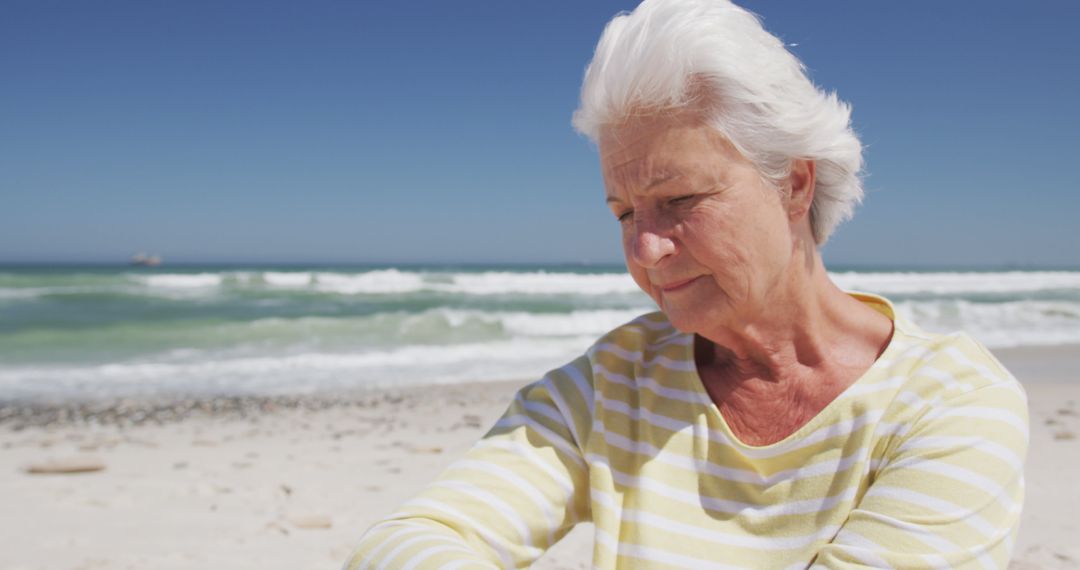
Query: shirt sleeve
x,y
520,489
948,494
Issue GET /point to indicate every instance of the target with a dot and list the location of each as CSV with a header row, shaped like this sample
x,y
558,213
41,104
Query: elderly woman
x,y
763,418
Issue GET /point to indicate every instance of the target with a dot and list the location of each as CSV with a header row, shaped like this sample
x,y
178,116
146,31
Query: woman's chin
x,y
683,319
694,313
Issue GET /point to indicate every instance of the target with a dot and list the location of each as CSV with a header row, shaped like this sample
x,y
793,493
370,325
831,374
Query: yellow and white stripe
x,y
918,464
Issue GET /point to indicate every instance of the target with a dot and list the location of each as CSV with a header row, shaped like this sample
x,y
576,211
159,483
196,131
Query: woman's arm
x,y
514,494
950,492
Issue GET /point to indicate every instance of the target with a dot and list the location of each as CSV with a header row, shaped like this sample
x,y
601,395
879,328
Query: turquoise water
x,y
91,331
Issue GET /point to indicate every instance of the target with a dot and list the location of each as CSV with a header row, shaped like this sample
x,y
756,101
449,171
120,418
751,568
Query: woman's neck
x,y
771,377
807,324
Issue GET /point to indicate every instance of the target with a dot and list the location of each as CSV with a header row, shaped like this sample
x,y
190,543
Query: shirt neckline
x,y
876,302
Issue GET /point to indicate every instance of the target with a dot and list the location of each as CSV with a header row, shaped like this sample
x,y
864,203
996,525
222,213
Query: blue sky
x,y
440,131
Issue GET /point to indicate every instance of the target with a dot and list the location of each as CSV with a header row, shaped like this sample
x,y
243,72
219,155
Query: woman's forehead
x,y
642,153
646,146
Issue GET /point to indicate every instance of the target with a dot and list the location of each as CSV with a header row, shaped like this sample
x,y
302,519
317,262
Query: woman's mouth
x,y
676,286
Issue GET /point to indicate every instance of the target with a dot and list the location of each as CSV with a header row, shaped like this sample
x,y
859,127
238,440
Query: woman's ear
x,y
801,183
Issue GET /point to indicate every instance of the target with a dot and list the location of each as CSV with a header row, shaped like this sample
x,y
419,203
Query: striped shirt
x,y
918,464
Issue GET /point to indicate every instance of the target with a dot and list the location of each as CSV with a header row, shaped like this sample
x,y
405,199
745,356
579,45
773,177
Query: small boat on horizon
x,y
144,260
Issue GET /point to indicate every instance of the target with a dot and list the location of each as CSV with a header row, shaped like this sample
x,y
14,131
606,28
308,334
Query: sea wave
x,y
395,281
181,280
541,283
392,281
1000,325
386,281
537,324
23,292
441,344
293,279
955,283
297,329
298,373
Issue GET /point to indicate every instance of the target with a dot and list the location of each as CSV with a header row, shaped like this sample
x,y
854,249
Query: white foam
x,y
492,283
521,323
952,283
500,360
997,325
395,281
380,281
288,280
181,280
486,283
24,292
597,284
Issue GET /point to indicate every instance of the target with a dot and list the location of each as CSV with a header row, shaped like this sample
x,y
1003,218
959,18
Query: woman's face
x,y
703,234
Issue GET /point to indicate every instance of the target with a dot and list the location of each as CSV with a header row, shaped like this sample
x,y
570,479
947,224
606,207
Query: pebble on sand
x,y
70,465
1064,435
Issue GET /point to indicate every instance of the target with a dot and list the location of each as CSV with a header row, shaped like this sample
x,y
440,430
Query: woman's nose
x,y
647,246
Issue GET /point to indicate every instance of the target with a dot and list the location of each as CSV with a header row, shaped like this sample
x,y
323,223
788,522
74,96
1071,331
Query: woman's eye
x,y
625,216
680,200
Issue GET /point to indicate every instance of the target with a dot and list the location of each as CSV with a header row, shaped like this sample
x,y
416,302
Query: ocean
x,y
98,332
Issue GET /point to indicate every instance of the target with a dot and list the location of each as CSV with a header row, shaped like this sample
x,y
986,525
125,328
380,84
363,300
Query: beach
x,y
293,481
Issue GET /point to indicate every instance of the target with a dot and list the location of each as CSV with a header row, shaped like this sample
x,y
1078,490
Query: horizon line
x,y
188,263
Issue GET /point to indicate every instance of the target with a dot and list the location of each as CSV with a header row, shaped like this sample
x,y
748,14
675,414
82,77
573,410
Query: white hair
x,y
684,54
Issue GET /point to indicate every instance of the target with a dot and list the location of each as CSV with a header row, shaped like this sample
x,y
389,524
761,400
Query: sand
x,y
292,482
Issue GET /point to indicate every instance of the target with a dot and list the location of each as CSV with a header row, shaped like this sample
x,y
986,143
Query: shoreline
x,y
1032,364
135,411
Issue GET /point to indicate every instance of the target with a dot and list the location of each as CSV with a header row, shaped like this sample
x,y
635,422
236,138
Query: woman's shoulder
x,y
922,374
946,370
953,361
